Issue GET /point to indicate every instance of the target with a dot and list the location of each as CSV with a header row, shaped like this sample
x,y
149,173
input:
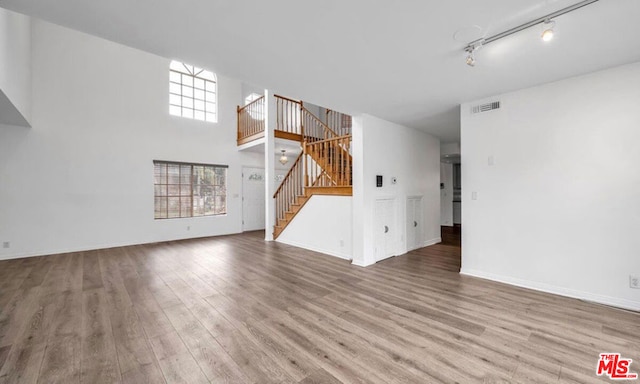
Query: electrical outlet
x,y
6,244
634,281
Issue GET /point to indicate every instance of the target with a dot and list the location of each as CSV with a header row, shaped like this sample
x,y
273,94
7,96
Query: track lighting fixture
x,y
547,34
548,25
471,61
471,48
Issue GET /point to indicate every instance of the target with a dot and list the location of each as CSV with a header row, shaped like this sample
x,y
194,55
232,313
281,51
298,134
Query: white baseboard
x,y
556,290
316,249
436,240
361,264
85,248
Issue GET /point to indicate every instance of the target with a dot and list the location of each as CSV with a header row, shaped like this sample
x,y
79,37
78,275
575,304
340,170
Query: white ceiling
x,y
395,59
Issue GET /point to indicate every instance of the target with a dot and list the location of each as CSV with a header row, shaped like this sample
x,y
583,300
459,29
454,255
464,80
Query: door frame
x,y
243,168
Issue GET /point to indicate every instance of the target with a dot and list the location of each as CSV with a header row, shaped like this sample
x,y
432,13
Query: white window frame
x,y
193,92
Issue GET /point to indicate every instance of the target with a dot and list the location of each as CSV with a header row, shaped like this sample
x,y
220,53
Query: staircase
x,y
324,167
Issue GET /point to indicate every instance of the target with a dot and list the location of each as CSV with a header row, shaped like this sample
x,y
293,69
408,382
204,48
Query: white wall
x,y
391,150
446,194
559,209
323,225
82,177
450,148
15,68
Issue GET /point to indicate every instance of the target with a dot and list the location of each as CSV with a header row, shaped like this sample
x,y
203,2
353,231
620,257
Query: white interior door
x,y
414,223
385,228
253,199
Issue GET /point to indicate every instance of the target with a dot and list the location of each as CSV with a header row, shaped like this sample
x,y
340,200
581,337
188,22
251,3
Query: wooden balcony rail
x,y
313,128
251,121
340,123
288,115
330,163
291,187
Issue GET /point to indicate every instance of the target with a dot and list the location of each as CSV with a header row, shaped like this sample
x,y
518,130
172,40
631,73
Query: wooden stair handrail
x,y
288,99
314,117
293,166
240,109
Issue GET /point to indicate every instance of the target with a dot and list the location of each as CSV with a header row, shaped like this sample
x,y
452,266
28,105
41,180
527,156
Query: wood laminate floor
x,y
235,309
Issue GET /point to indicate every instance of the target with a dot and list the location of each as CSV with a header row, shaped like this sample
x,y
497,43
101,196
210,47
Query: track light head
x,y
547,34
470,49
471,61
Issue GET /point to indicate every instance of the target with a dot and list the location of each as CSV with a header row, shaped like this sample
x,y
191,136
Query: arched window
x,y
192,92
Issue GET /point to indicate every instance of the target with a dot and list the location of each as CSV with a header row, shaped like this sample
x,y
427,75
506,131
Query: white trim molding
x,y
556,290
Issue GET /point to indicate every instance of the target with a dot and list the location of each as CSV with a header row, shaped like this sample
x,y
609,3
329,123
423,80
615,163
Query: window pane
x,y
198,83
220,205
199,115
207,75
175,88
176,66
210,96
160,173
174,76
175,111
187,102
173,189
174,99
198,94
186,112
160,190
211,107
173,171
198,104
160,205
185,174
187,80
210,86
187,91
185,207
173,206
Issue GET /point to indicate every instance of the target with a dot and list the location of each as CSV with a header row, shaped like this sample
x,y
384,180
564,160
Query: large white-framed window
x,y
193,92
189,189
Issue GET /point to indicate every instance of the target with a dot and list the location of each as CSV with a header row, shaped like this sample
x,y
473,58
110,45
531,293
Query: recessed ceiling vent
x,y
485,107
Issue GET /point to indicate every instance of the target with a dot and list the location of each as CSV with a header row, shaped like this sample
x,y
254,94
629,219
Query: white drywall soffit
x,y
82,176
396,61
555,180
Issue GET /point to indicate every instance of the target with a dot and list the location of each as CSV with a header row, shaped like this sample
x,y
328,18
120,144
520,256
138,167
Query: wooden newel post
x,y
302,120
238,114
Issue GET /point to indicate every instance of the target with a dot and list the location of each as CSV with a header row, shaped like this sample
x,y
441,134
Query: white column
x,y
360,223
269,164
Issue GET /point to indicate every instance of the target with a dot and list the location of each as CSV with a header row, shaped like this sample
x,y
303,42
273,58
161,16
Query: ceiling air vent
x,y
485,107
